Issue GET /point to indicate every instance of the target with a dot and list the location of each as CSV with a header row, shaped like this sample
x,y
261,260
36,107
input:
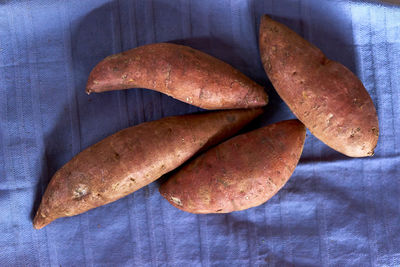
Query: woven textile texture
x,y
334,211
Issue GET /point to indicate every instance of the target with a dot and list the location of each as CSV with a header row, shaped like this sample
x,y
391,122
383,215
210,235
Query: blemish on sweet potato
x,y
176,201
231,118
115,186
269,66
325,61
112,57
80,191
375,131
223,182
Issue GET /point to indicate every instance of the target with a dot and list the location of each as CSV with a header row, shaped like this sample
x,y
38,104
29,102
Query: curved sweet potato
x,y
241,173
181,72
132,158
326,96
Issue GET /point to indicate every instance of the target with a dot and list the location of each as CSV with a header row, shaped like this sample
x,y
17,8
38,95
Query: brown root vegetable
x,y
132,158
326,96
241,173
180,72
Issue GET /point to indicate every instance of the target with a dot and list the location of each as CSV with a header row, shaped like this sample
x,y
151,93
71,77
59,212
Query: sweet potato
x,y
132,158
240,173
326,96
181,72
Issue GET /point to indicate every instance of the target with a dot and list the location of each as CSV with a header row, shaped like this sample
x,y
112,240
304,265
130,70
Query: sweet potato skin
x,y
132,158
326,96
181,72
240,173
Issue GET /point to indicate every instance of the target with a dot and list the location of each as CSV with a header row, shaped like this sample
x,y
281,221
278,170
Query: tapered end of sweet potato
x,y
41,220
265,19
257,99
104,76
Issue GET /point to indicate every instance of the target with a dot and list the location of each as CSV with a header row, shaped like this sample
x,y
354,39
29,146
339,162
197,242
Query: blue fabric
x,y
334,211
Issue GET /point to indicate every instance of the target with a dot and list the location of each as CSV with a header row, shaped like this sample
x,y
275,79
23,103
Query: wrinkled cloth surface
x,y
334,211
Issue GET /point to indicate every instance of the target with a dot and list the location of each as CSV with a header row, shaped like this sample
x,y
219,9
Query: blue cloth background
x,y
334,211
